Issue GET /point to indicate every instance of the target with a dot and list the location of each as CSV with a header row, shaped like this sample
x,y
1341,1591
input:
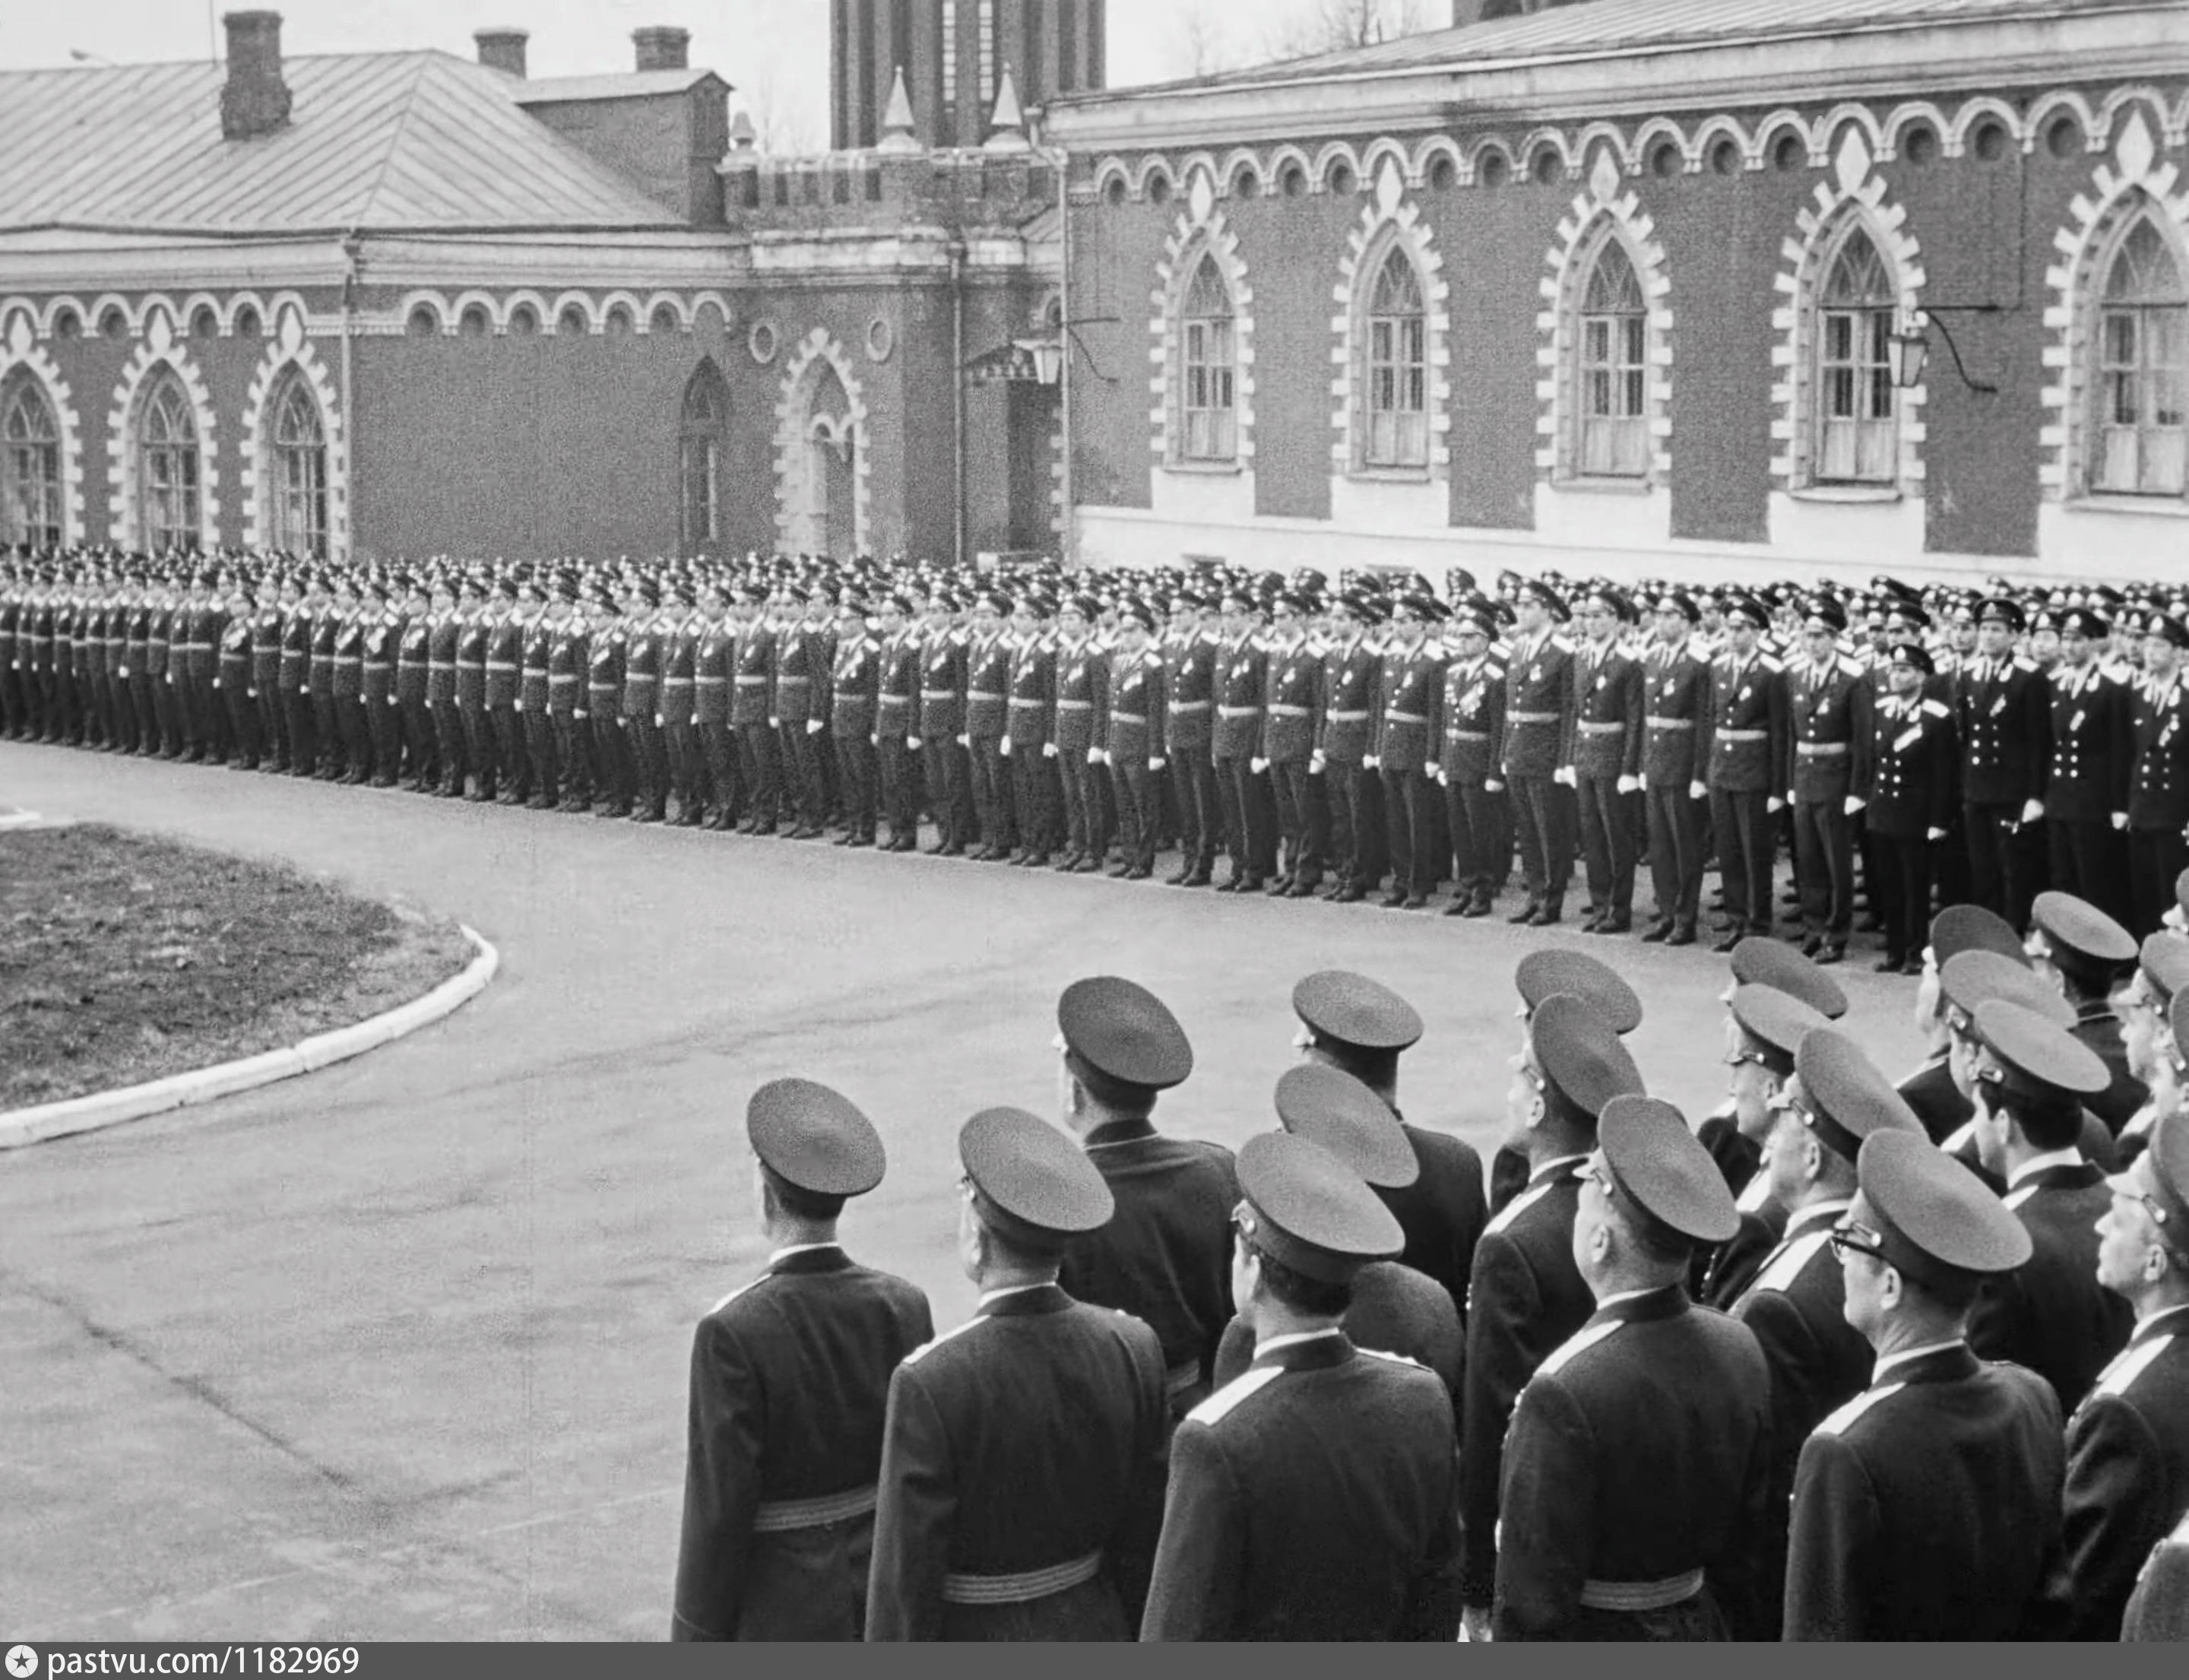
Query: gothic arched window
x,y
1855,433
168,475
1207,335
2142,385
296,472
700,458
1612,401
1397,434
29,466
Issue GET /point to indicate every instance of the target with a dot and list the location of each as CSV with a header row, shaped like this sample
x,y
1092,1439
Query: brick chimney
x,y
254,100
502,49
662,47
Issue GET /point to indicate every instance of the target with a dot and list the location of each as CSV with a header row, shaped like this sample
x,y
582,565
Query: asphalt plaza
x,y
398,1351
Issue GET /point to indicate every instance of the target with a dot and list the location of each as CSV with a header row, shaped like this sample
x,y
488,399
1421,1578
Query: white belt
x,y
1026,1586
1640,1595
781,1516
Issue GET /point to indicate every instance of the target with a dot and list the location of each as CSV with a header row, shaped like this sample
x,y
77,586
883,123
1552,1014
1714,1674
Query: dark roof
x,y
375,141
1602,27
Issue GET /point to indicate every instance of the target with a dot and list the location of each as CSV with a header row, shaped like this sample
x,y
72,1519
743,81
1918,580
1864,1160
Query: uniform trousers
x,y
763,768
1610,833
1037,797
1677,852
2002,862
326,729
1744,855
1476,820
420,745
618,784
514,763
145,705
1249,827
725,794
1303,821
801,774
900,770
688,769
1356,839
858,774
1544,818
1138,817
1903,890
451,757
243,721
1824,866
383,721
2090,859
2156,858
949,794
646,763
539,749
1408,798
356,729
1200,807
574,755
992,790
1086,811
273,736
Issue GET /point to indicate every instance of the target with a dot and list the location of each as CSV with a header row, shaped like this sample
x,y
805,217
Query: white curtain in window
x,y
2143,369
299,472
1398,432
1857,435
1613,339
167,465
30,468
1210,383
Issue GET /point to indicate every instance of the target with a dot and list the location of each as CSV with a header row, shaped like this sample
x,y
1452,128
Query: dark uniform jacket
x,y
1524,1297
941,689
1190,675
2128,1479
1029,1439
1937,1102
1134,716
1241,672
2158,736
791,1377
753,693
1349,676
1928,1506
2158,1609
1083,689
2087,780
1817,1361
1674,689
2006,715
1310,1499
1910,783
896,703
856,687
2125,1095
1165,1256
505,662
1293,715
1639,1452
1394,1311
2051,1314
1474,711
987,686
1743,739
1539,708
1607,712
1828,710
1033,690
1408,691
1442,1212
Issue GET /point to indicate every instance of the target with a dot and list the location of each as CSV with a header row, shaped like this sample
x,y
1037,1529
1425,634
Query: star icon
x,y
22,1662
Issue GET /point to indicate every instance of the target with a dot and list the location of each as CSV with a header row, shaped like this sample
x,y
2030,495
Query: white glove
x,y
1096,755
1493,787
1698,790
1564,777
1934,834
1854,803
1371,762
965,740
1048,750
1255,766
216,683
1630,785
1315,763
580,715
912,744
1774,805
775,723
1474,1627
814,726
658,720
1642,783
2033,811
2120,819
1004,747
1155,764
1438,771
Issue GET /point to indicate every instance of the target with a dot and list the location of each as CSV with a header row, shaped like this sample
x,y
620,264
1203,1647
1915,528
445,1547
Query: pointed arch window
x,y
1857,434
1208,336
1613,340
29,466
1397,434
168,468
700,458
2142,387
296,472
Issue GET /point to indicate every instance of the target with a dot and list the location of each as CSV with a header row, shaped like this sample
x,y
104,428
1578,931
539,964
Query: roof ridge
x,y
394,145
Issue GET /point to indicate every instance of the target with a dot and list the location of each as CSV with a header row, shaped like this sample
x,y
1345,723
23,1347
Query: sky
x,y
776,51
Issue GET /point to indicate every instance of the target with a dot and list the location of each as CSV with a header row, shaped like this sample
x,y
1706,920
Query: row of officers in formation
x,y
1849,1360
1916,747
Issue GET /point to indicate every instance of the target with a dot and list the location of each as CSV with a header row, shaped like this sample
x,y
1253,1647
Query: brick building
x,y
401,303
1648,285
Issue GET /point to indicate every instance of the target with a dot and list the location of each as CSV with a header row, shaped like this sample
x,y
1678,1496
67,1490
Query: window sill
x,y
1637,487
1848,494
2161,506
1215,469
1390,475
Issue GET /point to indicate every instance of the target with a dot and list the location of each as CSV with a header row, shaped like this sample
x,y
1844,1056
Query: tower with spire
x,y
949,59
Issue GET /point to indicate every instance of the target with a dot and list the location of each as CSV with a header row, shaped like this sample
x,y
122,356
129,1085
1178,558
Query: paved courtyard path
x,y
398,1351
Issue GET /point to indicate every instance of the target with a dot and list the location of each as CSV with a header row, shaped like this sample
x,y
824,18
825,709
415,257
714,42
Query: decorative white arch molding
x,y
110,300
465,301
1554,140
21,352
1109,170
2049,107
1711,132
161,346
582,304
793,430
1654,132
444,319
237,304
289,347
542,322
1784,122
1824,136
54,305
188,314
720,302
1854,193
1201,229
1971,114
2136,176
2121,100
1605,213
1239,159
1893,131
630,304
1601,132
1289,156
670,301
1373,154
1333,152
1483,148
1151,165
1387,221
1441,147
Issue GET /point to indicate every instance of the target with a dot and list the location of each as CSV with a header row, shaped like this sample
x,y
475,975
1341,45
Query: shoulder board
x,y
1770,662
1754,1194
1936,709
1575,1345
924,1348
737,1292
1851,668
2021,664
2122,1373
1780,1274
1227,1399
1390,1358
1560,643
1154,660
1844,1418
1518,1206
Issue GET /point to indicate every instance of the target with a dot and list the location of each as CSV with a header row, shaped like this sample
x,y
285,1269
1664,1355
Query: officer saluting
x,y
1165,1256
789,1377
1928,1506
1634,1468
1312,1497
1022,1459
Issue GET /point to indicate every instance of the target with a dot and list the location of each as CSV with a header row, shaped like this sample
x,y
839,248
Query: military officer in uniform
x,y
1904,788
1311,1498
1525,1296
791,1377
1544,974
2005,718
1190,659
751,703
1351,670
1741,751
1165,1255
987,725
896,717
1828,704
1036,794
2127,1443
1796,1305
1635,1470
935,733
854,706
1929,1505
1607,759
1240,688
2086,783
1023,1455
2158,775
1764,1029
1403,749
1290,722
1134,746
1539,752
2087,955
1470,765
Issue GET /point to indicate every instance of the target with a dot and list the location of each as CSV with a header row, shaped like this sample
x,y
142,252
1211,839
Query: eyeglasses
x,y
1590,1173
1861,1239
1735,1058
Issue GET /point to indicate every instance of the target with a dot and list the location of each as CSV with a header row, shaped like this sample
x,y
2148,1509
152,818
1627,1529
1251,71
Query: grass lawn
x,y
125,958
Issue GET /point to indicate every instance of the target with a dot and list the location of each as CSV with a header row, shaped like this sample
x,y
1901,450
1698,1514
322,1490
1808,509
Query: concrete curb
x,y
180,1091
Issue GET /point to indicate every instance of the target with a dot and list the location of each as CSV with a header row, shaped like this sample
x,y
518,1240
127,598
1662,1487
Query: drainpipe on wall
x,y
1067,522
352,258
957,393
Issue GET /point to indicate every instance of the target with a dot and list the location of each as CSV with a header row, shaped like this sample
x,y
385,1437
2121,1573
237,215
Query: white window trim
x,y
19,348
161,347
287,346
1390,221
1200,229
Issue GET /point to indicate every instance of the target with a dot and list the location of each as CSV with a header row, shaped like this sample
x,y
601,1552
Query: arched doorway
x,y
831,467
